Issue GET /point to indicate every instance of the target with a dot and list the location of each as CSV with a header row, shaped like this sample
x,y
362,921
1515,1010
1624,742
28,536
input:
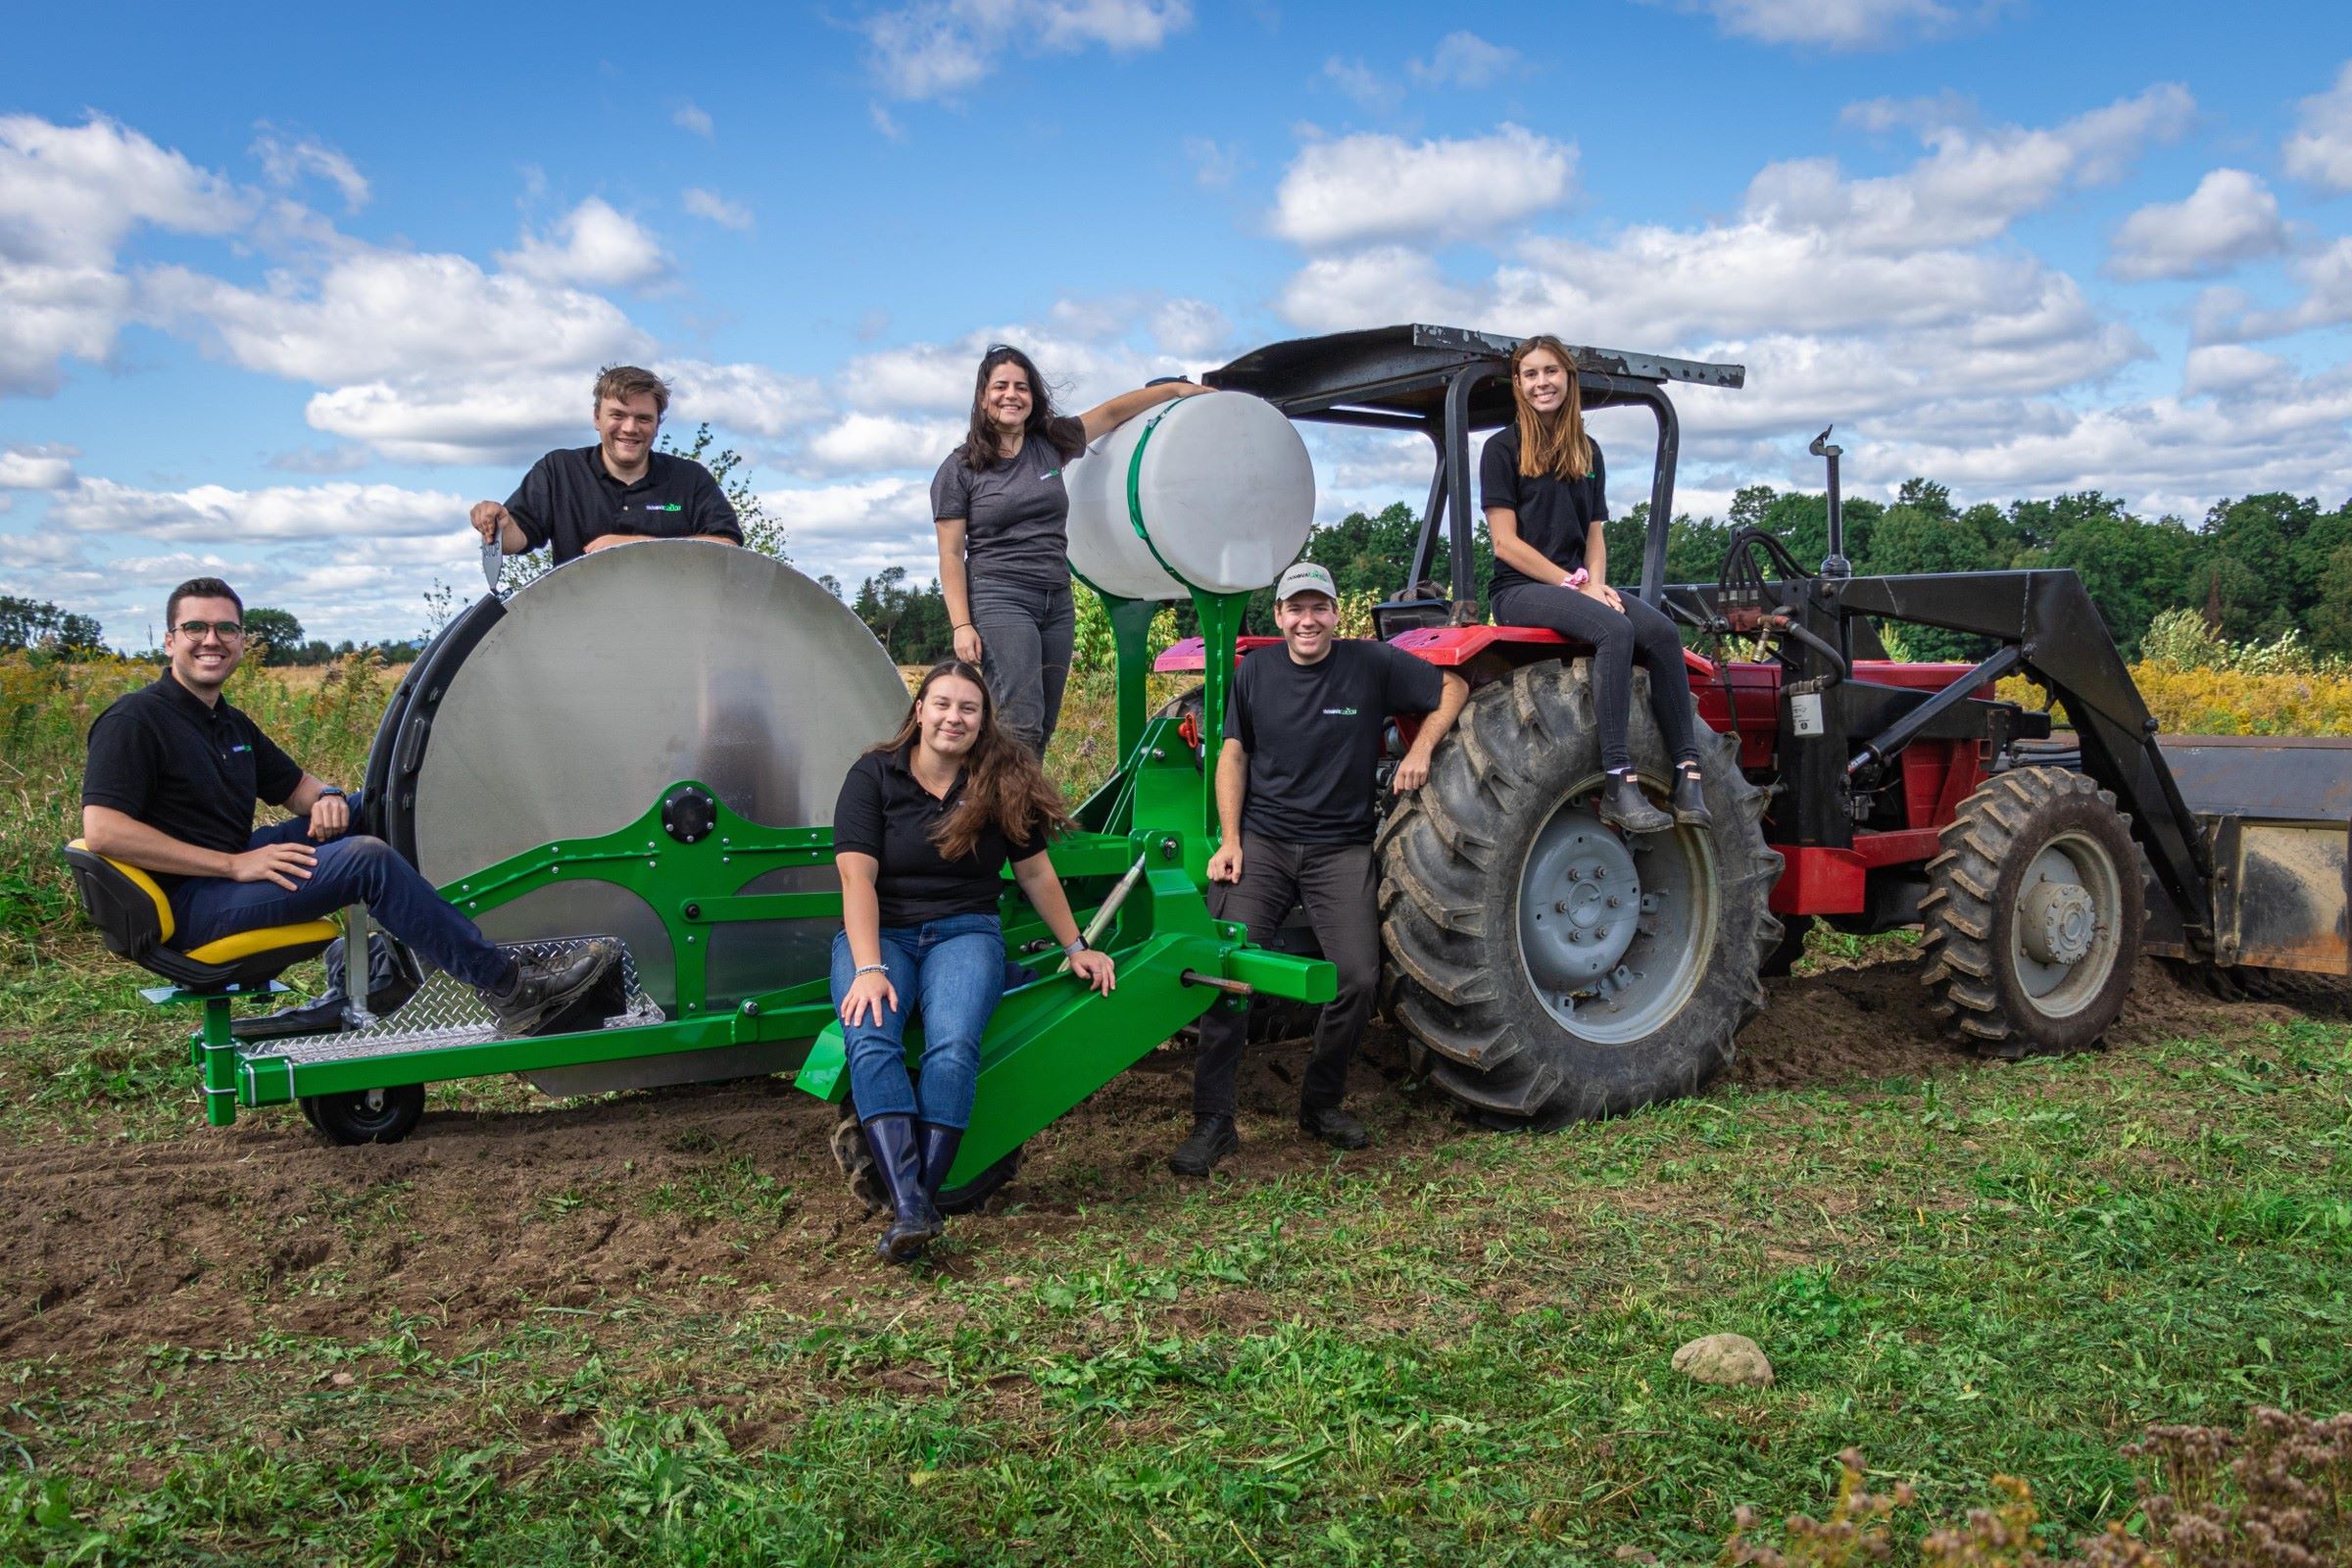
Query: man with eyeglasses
x,y
172,775
583,499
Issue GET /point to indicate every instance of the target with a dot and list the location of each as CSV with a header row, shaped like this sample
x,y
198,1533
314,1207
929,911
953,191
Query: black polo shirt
x,y
185,767
884,813
569,497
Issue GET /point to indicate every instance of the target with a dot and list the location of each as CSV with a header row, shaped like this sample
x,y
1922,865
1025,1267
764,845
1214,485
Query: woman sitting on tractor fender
x,y
921,834
1542,483
1004,519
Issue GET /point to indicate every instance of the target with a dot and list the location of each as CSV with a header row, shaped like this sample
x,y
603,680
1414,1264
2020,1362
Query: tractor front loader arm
x,y
2065,646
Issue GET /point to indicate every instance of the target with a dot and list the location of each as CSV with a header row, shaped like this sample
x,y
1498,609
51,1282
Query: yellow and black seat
x,y
136,919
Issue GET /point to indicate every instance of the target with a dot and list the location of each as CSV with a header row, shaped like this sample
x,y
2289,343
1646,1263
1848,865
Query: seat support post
x,y
355,965
218,1059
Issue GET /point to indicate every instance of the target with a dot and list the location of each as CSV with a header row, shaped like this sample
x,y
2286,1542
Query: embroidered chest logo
x,y
1339,712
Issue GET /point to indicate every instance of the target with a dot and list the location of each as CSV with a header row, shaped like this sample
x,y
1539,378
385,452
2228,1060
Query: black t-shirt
x,y
162,756
1312,732
885,812
1555,515
569,497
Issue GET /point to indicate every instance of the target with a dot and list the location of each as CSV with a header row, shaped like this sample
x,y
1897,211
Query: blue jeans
x,y
352,869
951,971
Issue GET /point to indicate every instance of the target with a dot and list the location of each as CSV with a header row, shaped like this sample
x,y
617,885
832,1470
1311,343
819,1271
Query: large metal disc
x,y
618,674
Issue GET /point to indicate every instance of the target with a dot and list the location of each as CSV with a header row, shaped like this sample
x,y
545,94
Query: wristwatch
x,y
1074,949
330,789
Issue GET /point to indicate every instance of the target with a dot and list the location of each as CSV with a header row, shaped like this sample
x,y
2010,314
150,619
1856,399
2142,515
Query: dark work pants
x,y
1025,639
352,869
1640,633
1335,884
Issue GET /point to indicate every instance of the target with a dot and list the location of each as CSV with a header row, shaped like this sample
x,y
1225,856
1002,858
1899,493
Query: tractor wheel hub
x,y
1581,901
2057,922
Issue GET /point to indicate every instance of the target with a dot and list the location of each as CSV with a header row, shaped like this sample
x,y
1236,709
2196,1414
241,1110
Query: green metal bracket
x,y
1131,639
1220,634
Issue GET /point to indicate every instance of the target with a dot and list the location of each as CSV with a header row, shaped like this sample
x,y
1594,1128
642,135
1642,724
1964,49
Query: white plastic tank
x,y
1214,492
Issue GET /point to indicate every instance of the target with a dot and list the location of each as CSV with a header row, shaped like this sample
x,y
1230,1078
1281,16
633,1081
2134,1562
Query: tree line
x,y
2255,568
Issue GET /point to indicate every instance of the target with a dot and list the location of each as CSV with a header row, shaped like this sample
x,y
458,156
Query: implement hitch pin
x,y
1232,988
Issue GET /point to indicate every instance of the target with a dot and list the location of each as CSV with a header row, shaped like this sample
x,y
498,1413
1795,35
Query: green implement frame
x,y
1051,1042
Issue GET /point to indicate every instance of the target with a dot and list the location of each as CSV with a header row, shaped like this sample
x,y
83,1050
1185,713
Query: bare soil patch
x,y
699,1198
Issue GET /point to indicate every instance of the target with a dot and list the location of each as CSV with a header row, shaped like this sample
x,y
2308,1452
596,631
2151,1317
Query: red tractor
x,y
1551,968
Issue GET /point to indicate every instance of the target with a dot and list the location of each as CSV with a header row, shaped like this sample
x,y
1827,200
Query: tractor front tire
x,y
2033,914
1553,968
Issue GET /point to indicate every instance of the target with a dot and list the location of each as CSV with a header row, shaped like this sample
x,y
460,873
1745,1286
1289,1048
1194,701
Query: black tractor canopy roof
x,y
1398,375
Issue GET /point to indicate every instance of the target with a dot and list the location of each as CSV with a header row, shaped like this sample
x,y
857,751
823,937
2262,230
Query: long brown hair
x,y
1002,784
1552,444
979,449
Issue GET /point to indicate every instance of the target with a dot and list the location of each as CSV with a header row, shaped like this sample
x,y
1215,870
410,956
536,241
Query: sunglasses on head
x,y
194,630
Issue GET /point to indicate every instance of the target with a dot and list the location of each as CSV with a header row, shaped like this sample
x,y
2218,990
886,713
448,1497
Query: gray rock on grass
x,y
1728,1360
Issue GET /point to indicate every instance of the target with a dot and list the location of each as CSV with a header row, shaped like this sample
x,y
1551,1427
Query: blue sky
x,y
280,295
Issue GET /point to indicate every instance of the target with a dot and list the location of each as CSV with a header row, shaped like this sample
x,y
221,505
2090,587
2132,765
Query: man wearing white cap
x,y
1295,795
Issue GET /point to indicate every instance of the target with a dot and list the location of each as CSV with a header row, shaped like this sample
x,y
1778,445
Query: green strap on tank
x,y
1135,498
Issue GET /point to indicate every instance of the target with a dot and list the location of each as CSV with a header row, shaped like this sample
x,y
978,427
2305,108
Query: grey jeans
x,y
1025,638
1337,884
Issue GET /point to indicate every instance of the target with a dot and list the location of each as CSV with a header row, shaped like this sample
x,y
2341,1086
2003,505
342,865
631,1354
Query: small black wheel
x,y
973,1195
2032,919
367,1115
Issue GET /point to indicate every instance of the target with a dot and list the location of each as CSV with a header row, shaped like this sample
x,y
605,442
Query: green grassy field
x,y
234,1347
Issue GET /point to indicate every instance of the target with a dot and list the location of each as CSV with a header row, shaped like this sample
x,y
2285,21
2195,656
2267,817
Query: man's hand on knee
x,y
290,866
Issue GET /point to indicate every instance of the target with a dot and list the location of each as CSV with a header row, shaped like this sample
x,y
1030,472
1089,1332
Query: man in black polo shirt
x,y
583,499
1295,795
172,775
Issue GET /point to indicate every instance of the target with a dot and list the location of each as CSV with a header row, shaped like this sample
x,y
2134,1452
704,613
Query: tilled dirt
x,y
693,1197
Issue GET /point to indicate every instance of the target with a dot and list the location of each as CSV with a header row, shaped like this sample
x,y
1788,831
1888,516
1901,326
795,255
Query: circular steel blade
x,y
614,676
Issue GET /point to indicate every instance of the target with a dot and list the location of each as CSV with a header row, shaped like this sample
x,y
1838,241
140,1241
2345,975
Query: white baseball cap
x,y
1306,577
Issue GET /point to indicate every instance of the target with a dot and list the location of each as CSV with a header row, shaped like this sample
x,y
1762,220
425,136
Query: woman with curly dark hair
x,y
1544,489
924,828
1004,532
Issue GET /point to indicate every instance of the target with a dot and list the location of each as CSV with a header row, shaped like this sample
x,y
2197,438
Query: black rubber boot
x,y
913,1222
1330,1125
1212,1139
1691,800
1626,809
544,985
938,1146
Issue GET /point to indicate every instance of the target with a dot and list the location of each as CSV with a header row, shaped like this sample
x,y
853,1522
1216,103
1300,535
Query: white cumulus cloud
x,y
716,208
938,48
1837,24
1373,187
289,161
218,514
46,468
2321,148
2232,217
1465,59
595,245
688,117
70,196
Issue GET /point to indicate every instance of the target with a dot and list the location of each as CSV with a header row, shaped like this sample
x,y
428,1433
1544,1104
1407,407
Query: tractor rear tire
x,y
2033,914
367,1115
1543,990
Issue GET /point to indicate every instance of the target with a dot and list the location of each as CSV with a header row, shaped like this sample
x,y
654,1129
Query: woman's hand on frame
x,y
1096,970
871,990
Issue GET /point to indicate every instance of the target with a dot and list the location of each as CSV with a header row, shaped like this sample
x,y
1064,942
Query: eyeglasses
x,y
227,632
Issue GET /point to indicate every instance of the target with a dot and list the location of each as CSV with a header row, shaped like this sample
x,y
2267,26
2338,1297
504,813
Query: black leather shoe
x,y
1691,800
543,986
1626,809
913,1222
937,1145
1333,1126
1212,1139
